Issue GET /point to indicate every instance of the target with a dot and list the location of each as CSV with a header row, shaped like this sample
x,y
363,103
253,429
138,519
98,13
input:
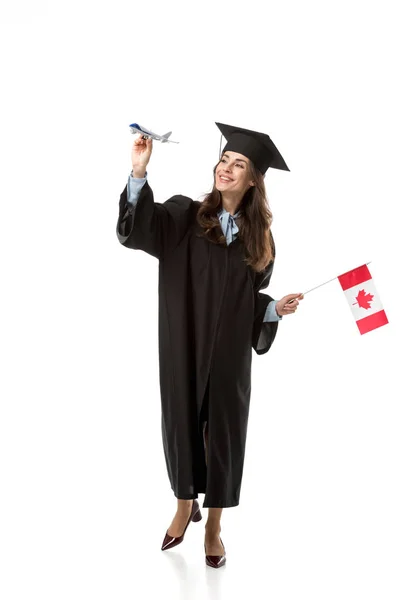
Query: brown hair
x,y
254,222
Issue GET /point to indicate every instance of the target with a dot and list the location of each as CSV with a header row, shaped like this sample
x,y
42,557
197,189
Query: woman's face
x,y
233,173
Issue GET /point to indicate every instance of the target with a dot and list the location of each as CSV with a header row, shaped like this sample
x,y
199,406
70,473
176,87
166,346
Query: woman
x,y
214,258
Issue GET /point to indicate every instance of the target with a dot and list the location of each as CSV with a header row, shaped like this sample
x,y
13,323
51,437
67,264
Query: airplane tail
x,y
166,136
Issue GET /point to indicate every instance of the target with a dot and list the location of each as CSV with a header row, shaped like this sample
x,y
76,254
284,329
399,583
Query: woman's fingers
x,y
141,143
141,151
293,298
290,308
288,304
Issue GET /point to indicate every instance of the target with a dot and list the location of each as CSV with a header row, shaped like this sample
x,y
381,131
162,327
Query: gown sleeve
x,y
264,332
151,226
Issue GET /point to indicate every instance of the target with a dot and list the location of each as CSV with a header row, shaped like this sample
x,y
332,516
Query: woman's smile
x,y
225,179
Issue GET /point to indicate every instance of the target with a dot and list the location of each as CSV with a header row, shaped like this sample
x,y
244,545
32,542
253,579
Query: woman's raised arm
x,y
147,225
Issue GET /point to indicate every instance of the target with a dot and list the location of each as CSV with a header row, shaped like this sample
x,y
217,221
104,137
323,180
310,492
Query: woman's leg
x,y
184,507
181,517
213,525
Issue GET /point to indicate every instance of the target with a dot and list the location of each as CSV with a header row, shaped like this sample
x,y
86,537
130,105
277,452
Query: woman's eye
x,y
223,160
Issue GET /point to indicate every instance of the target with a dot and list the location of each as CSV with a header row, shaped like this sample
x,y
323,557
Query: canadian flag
x,y
363,300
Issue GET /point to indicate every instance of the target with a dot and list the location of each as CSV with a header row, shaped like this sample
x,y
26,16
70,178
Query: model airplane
x,y
146,133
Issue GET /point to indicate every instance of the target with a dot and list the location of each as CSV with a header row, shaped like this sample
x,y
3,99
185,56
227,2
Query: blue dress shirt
x,y
228,225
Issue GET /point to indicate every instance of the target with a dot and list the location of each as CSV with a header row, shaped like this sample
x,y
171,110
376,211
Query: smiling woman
x,y
239,188
214,258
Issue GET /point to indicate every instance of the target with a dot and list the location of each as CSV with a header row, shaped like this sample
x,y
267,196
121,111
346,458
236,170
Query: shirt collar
x,y
224,211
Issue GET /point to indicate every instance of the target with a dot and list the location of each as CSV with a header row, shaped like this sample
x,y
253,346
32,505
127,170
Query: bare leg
x,y
180,520
213,525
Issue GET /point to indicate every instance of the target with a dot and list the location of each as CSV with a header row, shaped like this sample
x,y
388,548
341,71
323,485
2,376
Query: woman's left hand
x,y
288,304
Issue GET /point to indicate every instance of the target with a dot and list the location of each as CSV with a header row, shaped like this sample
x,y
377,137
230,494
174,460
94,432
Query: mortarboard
x,y
258,147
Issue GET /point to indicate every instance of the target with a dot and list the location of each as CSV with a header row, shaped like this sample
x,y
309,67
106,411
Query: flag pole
x,y
317,286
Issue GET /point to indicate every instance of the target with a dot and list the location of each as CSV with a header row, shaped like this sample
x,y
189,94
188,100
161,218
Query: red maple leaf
x,y
364,299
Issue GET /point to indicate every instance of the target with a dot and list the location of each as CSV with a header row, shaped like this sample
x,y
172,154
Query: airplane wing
x,y
150,133
165,138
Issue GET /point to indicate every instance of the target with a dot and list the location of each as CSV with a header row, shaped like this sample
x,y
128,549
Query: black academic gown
x,y
210,317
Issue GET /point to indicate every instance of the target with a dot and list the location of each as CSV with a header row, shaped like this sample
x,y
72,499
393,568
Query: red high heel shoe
x,y
195,515
215,561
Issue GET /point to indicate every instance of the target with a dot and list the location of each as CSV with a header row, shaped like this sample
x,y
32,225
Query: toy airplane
x,y
146,133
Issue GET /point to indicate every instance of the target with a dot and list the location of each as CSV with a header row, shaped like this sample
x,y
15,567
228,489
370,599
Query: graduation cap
x,y
258,147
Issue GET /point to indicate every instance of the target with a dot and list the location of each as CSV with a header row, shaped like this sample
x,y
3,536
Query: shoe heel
x,y
197,517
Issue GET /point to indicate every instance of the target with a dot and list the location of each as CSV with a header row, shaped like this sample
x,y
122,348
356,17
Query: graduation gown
x,y
210,318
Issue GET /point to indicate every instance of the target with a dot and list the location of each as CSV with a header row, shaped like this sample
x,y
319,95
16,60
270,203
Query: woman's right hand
x,y
141,152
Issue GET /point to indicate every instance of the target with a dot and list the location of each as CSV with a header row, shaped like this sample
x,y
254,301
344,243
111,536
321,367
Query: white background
x,y
85,499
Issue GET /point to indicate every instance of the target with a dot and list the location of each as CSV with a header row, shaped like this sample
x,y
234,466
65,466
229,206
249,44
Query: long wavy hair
x,y
254,222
